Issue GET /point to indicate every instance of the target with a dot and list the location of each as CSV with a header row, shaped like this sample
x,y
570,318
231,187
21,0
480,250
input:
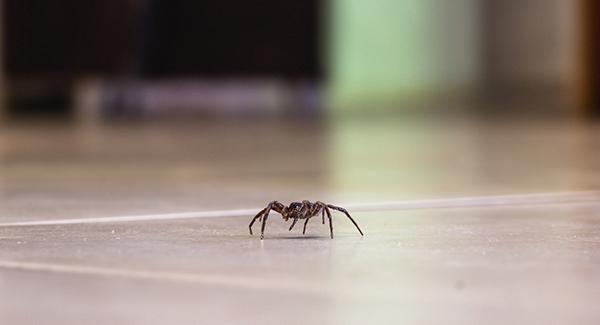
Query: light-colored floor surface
x,y
515,263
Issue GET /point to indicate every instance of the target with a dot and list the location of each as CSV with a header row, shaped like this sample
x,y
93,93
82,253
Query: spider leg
x,y
308,209
330,223
272,206
255,218
347,215
264,223
293,223
305,222
262,214
323,215
324,207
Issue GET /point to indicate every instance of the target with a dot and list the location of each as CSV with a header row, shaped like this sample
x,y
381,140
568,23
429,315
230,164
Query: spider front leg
x,y
277,207
264,221
264,214
255,218
293,223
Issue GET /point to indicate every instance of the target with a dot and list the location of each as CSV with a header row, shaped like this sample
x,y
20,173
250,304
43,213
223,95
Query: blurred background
x,y
154,58
341,99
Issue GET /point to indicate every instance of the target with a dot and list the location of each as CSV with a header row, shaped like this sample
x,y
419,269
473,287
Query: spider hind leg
x,y
347,215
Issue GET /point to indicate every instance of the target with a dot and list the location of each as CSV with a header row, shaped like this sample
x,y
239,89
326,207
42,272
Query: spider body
x,y
299,211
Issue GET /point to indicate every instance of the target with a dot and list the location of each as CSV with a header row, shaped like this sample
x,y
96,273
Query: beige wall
x,y
530,42
2,82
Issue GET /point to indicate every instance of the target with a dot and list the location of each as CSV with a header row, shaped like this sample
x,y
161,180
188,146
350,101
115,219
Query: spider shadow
x,y
298,237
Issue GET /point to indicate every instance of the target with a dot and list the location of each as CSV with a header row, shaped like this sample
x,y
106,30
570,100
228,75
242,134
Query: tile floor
x,y
496,265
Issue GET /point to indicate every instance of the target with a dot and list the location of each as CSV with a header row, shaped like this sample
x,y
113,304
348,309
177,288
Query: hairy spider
x,y
297,210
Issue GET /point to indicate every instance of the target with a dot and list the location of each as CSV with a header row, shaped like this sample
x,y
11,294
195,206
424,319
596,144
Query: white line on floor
x,y
145,217
444,203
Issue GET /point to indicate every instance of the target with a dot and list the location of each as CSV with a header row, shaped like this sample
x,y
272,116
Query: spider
x,y
297,210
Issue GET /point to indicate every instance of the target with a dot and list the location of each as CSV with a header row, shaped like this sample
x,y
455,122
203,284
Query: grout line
x,y
235,281
353,290
444,203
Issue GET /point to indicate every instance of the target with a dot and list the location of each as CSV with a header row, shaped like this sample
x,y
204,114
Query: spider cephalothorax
x,y
291,211
299,210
